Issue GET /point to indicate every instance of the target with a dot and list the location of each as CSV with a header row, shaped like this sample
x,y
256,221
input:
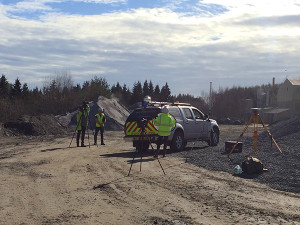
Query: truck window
x,y
198,115
188,113
175,113
139,114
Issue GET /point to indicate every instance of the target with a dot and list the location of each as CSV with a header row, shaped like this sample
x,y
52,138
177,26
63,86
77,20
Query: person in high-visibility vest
x,y
164,122
100,121
82,122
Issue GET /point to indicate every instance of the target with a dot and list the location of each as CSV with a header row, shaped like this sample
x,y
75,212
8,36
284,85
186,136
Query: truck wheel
x,y
177,141
214,137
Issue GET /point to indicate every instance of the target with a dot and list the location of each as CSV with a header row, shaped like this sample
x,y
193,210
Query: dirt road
x,y
45,182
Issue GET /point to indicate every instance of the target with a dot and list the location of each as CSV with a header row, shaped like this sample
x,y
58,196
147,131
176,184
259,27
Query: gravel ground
x,y
283,169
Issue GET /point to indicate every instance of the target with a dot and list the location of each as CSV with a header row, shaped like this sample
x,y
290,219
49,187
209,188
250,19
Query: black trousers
x,y
162,140
97,129
82,133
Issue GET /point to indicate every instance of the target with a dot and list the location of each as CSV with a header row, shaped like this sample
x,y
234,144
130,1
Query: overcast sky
x,y
186,43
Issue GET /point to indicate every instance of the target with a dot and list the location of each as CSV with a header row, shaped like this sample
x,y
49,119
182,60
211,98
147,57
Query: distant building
x,y
288,95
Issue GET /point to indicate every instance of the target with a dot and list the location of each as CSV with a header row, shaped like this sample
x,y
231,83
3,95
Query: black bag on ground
x,y
252,166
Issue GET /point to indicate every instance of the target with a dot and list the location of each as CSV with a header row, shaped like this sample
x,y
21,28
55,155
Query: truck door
x,y
189,123
200,128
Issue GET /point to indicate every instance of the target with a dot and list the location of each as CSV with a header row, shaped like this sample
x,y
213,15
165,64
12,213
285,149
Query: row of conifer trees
x,y
59,95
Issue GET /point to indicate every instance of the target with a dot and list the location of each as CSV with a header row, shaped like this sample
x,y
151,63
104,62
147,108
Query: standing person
x,y
164,121
82,122
100,121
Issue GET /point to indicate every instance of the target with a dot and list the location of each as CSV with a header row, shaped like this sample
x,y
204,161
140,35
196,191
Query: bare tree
x,y
63,80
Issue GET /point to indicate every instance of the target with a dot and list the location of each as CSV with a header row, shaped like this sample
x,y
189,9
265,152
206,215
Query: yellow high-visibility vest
x,y
80,115
164,122
99,120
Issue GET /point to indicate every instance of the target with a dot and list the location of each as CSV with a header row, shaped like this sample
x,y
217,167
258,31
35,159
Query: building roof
x,y
276,110
294,81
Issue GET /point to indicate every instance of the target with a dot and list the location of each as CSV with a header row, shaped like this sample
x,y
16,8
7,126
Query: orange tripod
x,y
255,118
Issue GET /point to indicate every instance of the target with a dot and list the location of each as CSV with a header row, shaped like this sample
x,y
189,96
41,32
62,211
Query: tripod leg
x,y
161,166
149,142
73,137
131,164
96,136
88,137
75,130
157,153
91,127
245,128
141,153
270,135
154,150
255,126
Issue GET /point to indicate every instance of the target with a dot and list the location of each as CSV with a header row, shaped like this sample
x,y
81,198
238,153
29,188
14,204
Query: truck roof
x,y
159,104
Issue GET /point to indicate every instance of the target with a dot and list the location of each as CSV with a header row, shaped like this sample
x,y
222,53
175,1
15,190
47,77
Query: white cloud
x,y
243,46
27,6
101,1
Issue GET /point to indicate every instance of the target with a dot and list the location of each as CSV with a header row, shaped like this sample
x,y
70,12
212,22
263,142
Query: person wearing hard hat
x,y
82,122
164,123
100,121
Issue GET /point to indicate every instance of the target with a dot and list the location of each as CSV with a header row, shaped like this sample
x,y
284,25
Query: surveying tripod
x,y
255,118
144,135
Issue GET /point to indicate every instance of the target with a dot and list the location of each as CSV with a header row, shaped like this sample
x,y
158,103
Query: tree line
x,y
139,91
232,102
59,95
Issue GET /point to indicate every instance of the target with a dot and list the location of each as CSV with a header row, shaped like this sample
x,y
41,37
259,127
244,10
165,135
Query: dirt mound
x,y
116,114
34,125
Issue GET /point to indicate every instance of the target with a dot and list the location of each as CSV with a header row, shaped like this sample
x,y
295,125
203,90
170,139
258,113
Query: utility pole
x,y
210,98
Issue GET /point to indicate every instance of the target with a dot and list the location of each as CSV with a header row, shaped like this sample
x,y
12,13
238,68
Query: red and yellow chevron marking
x,y
131,128
150,129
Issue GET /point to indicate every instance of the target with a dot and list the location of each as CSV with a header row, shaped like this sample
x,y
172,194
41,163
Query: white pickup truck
x,y
191,125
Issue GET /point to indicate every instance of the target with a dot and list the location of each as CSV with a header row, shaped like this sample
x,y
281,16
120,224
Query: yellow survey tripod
x,y
255,118
144,136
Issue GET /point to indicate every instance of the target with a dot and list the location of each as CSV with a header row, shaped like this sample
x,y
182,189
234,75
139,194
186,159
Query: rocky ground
x,y
283,169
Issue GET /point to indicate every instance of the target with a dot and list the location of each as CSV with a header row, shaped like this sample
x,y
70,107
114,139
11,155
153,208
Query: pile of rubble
x,y
116,115
35,125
